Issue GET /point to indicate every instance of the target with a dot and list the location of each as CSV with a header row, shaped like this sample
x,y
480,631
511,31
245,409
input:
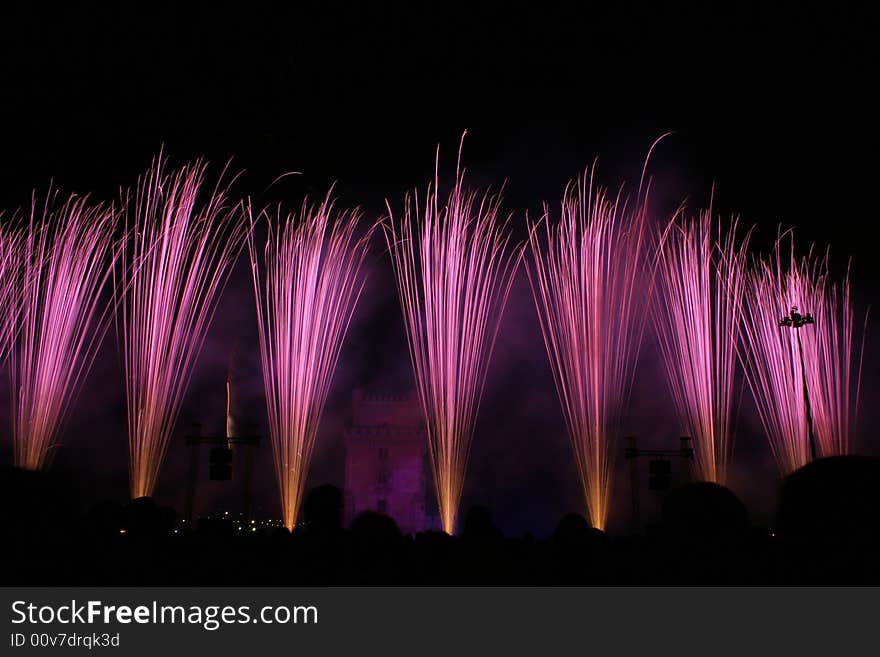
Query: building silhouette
x,y
386,467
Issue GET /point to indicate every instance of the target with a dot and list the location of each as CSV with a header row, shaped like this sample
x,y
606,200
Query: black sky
x,y
774,105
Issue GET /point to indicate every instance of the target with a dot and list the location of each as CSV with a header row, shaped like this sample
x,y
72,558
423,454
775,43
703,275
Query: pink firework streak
x,y
65,258
700,280
772,359
10,257
182,239
454,270
589,282
307,284
832,366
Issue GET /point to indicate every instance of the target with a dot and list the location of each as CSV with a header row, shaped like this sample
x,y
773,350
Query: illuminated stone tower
x,y
385,466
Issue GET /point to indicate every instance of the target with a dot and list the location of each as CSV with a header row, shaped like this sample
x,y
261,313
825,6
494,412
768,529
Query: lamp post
x,y
794,320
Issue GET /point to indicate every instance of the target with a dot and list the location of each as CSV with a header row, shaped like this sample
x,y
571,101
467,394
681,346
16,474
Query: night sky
x,y
776,108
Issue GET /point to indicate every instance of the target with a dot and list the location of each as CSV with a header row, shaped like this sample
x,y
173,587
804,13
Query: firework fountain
x,y
64,258
700,282
307,284
454,268
805,379
588,279
182,239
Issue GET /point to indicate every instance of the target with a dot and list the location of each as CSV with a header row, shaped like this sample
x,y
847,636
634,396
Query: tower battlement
x,y
371,410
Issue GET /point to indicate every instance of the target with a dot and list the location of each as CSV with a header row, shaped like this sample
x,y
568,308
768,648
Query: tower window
x,y
381,506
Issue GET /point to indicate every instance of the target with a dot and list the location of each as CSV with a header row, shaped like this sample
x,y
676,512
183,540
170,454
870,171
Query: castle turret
x,y
385,467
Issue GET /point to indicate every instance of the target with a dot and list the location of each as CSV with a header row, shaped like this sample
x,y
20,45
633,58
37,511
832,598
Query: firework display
x,y
307,284
804,378
60,262
588,279
181,239
598,271
454,266
700,282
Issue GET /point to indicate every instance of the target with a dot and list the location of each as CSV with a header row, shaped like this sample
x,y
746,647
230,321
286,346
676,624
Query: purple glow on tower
x,y
307,284
182,239
63,259
700,280
454,269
